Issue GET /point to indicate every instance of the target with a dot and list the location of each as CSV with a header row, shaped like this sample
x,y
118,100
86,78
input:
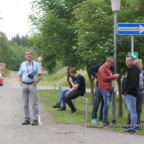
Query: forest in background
x,y
12,51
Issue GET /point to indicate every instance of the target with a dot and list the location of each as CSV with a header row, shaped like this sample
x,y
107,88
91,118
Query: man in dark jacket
x,y
130,86
140,96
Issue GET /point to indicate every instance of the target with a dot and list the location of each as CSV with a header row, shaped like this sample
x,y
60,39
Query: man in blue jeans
x,y
139,98
105,77
130,88
98,97
61,96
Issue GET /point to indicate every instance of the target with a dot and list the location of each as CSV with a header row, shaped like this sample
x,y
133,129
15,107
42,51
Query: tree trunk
x,y
91,85
120,114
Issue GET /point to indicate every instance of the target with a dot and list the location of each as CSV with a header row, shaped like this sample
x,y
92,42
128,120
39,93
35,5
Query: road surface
x,y
12,132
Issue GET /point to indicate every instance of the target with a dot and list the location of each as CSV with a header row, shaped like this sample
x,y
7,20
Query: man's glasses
x,y
111,63
28,54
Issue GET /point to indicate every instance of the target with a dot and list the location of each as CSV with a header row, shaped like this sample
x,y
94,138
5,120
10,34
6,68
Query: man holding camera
x,y
28,81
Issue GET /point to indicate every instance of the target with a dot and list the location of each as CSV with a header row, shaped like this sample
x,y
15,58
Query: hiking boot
x,y
35,122
73,112
26,122
105,123
62,109
94,120
130,131
58,105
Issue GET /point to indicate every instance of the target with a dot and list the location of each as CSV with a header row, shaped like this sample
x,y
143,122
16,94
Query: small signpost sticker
x,y
40,58
134,54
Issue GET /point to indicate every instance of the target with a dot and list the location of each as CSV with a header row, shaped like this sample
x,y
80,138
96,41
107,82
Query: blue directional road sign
x,y
130,29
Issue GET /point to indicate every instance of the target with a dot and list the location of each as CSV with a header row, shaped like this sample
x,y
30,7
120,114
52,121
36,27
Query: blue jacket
x,y
94,69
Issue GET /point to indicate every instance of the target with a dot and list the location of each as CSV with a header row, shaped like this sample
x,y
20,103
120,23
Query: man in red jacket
x,y
105,85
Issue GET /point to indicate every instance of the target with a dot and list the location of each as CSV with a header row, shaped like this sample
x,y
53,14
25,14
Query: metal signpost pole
x,y
132,44
115,8
115,65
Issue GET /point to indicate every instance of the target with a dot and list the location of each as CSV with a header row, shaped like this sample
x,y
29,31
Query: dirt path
x,y
12,132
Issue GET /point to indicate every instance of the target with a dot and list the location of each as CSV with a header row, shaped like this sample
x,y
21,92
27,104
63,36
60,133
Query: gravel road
x,y
12,132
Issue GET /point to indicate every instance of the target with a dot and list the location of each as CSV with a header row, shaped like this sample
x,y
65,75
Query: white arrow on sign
x,y
133,55
140,29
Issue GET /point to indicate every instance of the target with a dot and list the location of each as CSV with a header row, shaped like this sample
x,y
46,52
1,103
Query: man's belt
x,y
28,83
140,90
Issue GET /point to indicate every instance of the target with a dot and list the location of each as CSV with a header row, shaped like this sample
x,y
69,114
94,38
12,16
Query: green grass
x,y
51,79
7,72
49,98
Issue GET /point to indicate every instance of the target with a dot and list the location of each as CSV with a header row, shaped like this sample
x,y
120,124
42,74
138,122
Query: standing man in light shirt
x,y
28,81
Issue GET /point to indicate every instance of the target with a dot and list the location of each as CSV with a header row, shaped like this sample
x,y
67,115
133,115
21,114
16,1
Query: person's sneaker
x,y
127,126
105,123
35,122
94,120
100,121
138,127
73,112
62,109
26,122
130,131
58,105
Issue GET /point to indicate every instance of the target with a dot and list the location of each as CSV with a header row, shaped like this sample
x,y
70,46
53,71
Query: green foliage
x,y
12,56
18,56
95,30
6,73
21,41
94,24
55,32
79,33
5,51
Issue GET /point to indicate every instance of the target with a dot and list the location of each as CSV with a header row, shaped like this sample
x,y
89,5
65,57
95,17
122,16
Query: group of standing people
x,y
132,89
104,87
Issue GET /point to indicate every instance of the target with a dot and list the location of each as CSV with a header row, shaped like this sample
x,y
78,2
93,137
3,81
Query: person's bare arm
x,y
73,85
37,80
20,80
70,90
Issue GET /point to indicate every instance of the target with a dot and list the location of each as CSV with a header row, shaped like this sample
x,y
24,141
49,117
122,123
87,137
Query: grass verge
x,y
7,72
49,98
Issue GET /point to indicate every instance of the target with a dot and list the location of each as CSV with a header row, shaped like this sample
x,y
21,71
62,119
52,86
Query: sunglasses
x,y
111,63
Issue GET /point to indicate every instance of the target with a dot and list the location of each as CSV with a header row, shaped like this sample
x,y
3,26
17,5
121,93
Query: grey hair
x,y
132,58
29,51
138,61
109,58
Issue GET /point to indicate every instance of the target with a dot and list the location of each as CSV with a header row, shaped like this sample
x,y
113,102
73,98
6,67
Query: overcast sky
x,y
15,17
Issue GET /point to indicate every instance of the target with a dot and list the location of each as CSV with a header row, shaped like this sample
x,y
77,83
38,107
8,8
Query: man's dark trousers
x,y
98,99
139,103
73,95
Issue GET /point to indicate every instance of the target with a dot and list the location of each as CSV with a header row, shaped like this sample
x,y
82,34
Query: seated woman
x,y
63,93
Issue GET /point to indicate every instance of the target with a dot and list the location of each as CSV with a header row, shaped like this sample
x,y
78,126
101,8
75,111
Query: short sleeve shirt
x,y
73,78
81,81
26,69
